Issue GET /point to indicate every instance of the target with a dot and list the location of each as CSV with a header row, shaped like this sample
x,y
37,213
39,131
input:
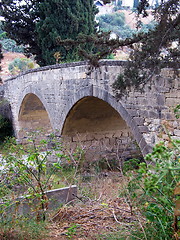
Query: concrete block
x,y
56,197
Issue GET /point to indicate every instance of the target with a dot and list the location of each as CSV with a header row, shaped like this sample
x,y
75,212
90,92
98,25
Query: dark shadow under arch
x,y
104,95
98,127
33,116
91,114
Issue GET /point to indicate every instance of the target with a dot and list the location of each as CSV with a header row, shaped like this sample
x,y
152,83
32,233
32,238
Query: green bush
x,y
151,191
10,45
3,35
21,64
6,128
21,229
115,22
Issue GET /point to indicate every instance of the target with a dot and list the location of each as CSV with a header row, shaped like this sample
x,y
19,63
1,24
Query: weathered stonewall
x,y
83,108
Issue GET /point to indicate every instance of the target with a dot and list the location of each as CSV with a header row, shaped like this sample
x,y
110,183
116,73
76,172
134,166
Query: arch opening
x,y
98,128
33,116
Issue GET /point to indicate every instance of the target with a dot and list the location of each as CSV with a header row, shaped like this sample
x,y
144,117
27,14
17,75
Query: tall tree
x,y
20,18
65,19
150,51
36,23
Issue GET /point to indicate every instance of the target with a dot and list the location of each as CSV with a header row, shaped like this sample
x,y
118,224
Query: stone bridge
x,y
81,105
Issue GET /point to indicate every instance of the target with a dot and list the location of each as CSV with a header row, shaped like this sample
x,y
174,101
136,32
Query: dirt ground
x,y
7,58
98,210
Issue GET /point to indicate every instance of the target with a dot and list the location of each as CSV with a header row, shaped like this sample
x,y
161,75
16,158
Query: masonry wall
x,y
60,87
94,126
5,108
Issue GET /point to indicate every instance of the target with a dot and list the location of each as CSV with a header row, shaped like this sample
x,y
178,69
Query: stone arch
x,y
117,108
33,116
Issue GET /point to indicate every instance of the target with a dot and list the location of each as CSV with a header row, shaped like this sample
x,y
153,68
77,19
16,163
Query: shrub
x,y
115,23
21,64
10,45
151,190
22,228
6,128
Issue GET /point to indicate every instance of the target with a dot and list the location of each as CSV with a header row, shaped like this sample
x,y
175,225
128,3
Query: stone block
x,y
142,144
172,102
112,141
169,116
125,133
139,120
109,135
90,137
147,149
160,99
137,135
117,134
79,138
159,81
177,132
143,113
98,136
133,113
143,129
153,114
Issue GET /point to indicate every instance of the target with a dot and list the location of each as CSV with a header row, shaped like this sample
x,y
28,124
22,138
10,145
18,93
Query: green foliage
x,y
152,188
66,21
110,56
145,28
3,35
115,22
155,50
21,64
135,4
38,24
22,228
9,44
71,231
131,164
120,235
6,129
177,111
26,166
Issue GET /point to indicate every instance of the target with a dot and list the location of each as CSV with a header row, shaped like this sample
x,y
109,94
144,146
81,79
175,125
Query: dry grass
x,y
97,210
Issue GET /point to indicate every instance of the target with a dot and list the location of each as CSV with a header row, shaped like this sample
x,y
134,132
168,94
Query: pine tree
x,y
37,23
20,22
65,20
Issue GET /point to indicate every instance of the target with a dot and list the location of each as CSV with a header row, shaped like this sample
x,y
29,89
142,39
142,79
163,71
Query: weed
x,y
22,228
71,231
151,190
